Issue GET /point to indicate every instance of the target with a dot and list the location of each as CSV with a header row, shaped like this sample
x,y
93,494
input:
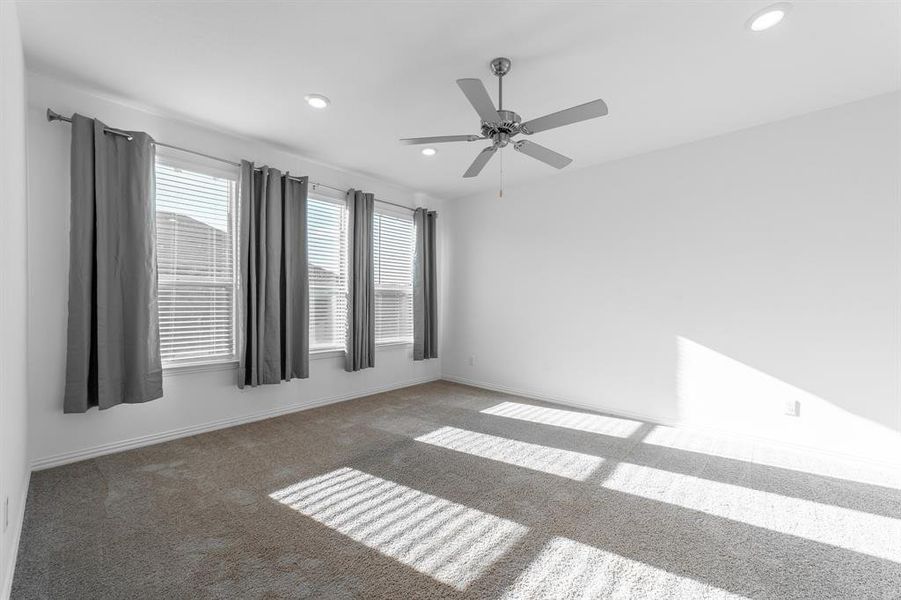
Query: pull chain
x,y
500,192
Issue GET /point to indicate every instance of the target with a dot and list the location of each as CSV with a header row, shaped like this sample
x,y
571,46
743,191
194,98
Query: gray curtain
x,y
360,348
275,311
113,346
425,289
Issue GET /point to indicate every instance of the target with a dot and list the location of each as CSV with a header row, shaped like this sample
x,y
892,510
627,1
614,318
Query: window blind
x,y
327,251
195,219
393,243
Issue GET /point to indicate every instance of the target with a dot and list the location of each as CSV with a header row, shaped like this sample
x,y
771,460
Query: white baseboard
x,y
10,568
165,436
557,400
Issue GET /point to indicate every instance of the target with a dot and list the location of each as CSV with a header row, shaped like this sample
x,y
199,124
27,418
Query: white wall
x,y
711,282
192,401
13,285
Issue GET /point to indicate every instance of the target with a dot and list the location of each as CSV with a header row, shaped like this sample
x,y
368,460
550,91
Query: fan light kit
x,y
768,17
429,152
317,100
500,126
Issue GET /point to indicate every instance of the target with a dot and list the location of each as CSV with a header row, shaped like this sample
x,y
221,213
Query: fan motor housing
x,y
506,126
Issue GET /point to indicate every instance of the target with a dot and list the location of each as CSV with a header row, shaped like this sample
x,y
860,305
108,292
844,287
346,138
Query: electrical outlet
x,y
792,408
472,360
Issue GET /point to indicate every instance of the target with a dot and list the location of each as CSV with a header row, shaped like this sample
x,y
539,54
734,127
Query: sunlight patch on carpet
x,y
563,463
569,570
450,542
863,532
569,419
773,454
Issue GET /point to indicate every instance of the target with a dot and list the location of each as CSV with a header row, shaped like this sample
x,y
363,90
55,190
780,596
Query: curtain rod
x,y
55,116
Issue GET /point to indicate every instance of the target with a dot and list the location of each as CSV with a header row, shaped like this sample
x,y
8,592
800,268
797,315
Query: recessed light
x,y
317,100
768,17
429,152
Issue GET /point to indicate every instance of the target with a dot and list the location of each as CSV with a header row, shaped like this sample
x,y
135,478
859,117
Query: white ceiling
x,y
671,72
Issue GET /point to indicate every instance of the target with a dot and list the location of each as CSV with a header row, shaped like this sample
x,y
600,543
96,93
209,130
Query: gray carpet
x,y
446,491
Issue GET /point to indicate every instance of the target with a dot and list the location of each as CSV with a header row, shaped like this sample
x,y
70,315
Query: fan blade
x,y
478,96
583,112
481,160
442,138
541,153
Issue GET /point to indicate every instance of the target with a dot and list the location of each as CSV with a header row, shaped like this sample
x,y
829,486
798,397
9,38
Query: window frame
x,y
208,167
324,195
179,160
401,213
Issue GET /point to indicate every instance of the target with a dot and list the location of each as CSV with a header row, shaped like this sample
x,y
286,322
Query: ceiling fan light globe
x,y
317,101
768,17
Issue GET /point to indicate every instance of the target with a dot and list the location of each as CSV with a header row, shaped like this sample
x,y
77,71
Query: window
x,y
327,248
393,240
195,228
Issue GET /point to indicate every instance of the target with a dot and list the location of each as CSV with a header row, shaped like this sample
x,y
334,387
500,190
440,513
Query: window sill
x,y
320,354
230,365
389,345
183,369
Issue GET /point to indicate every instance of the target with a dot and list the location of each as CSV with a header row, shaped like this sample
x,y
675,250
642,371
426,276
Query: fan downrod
x,y
507,123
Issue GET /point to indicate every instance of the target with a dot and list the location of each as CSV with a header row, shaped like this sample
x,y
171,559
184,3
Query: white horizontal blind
x,y
393,240
327,249
195,229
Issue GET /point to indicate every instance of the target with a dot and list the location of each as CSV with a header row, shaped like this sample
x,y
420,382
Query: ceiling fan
x,y
500,126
